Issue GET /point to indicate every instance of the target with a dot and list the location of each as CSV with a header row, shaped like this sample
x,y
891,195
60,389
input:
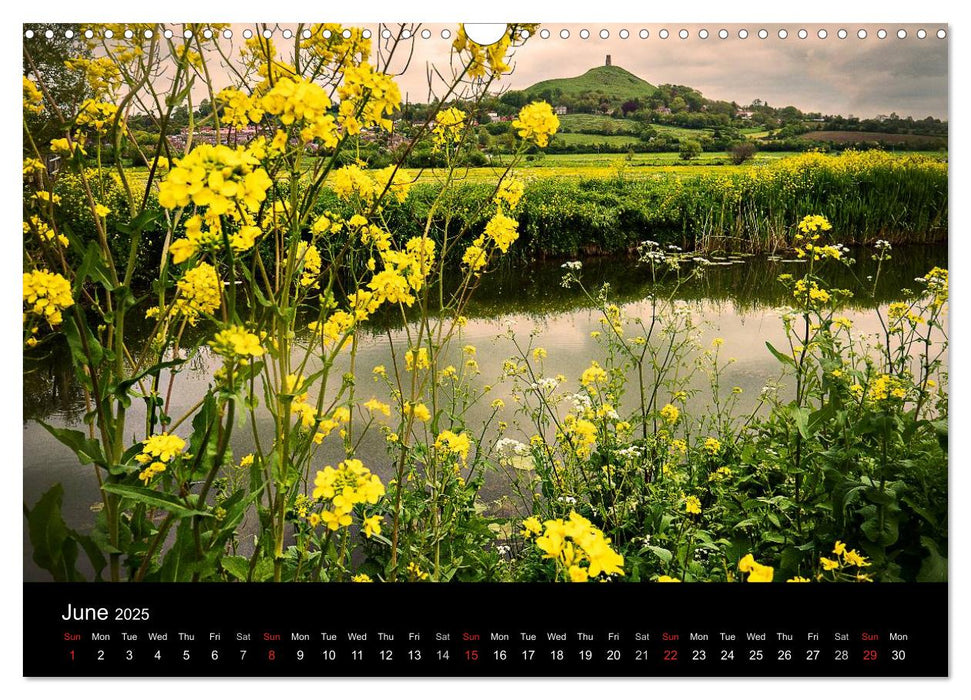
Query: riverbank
x,y
866,196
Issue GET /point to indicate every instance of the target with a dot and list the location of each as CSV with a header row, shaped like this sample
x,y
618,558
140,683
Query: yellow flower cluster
x,y
69,147
157,452
326,426
670,414
579,548
308,259
236,341
334,328
712,445
581,433
394,180
218,177
492,58
329,45
509,193
101,74
845,558
416,359
33,165
757,573
239,109
372,525
937,285
536,123
352,182
476,256
47,294
810,292
415,572
593,375
96,115
198,238
720,474
306,104
898,312
692,506
448,442
199,292
375,406
368,98
44,231
814,224
350,484
419,411
33,97
886,387
448,127
501,229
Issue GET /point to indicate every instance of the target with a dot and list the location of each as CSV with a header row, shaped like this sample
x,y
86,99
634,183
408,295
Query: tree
x,y
741,151
689,149
44,62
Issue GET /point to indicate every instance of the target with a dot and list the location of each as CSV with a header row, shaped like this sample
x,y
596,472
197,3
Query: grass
x,y
618,84
862,136
597,122
611,165
606,165
595,139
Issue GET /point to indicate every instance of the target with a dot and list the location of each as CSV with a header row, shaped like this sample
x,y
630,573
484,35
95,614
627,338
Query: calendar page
x,y
383,349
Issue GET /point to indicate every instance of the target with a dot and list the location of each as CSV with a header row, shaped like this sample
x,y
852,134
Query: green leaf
x,y
154,499
801,418
54,549
120,390
884,534
934,567
74,333
940,430
663,554
95,555
88,451
784,359
237,567
93,267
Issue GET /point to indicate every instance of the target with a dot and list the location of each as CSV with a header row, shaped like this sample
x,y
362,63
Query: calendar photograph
x,y
524,303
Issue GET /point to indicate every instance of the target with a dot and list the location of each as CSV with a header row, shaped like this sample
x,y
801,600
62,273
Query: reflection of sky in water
x,y
566,335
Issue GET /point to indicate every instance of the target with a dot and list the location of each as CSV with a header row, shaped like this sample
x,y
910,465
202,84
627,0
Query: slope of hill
x,y
615,82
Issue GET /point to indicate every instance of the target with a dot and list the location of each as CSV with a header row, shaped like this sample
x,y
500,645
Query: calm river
x,y
735,300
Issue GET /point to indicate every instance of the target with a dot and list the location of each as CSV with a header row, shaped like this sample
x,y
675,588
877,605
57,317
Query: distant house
x,y
744,114
494,116
663,110
561,109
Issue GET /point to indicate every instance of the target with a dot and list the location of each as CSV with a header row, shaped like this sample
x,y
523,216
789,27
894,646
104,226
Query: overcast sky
x,y
863,77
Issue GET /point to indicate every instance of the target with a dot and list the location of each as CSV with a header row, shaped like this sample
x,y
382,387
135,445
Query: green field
x,y
605,165
615,140
609,165
600,123
615,131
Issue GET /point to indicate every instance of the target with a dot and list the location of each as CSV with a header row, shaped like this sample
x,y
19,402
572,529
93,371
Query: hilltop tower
x,y
608,60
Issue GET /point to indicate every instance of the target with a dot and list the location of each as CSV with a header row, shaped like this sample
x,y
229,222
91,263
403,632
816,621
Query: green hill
x,y
615,82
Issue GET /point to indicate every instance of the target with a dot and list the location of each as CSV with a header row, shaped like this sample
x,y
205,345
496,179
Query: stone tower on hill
x,y
608,60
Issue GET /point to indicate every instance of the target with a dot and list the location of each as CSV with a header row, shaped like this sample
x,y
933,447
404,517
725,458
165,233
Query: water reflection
x,y
738,300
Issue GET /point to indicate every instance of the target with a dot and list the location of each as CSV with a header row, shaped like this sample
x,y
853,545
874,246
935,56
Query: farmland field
x,y
864,136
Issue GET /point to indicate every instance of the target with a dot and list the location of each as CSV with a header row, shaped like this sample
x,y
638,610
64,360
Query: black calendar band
x,y
362,630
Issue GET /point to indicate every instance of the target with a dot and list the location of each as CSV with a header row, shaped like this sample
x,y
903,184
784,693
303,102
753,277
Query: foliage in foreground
x,y
838,475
